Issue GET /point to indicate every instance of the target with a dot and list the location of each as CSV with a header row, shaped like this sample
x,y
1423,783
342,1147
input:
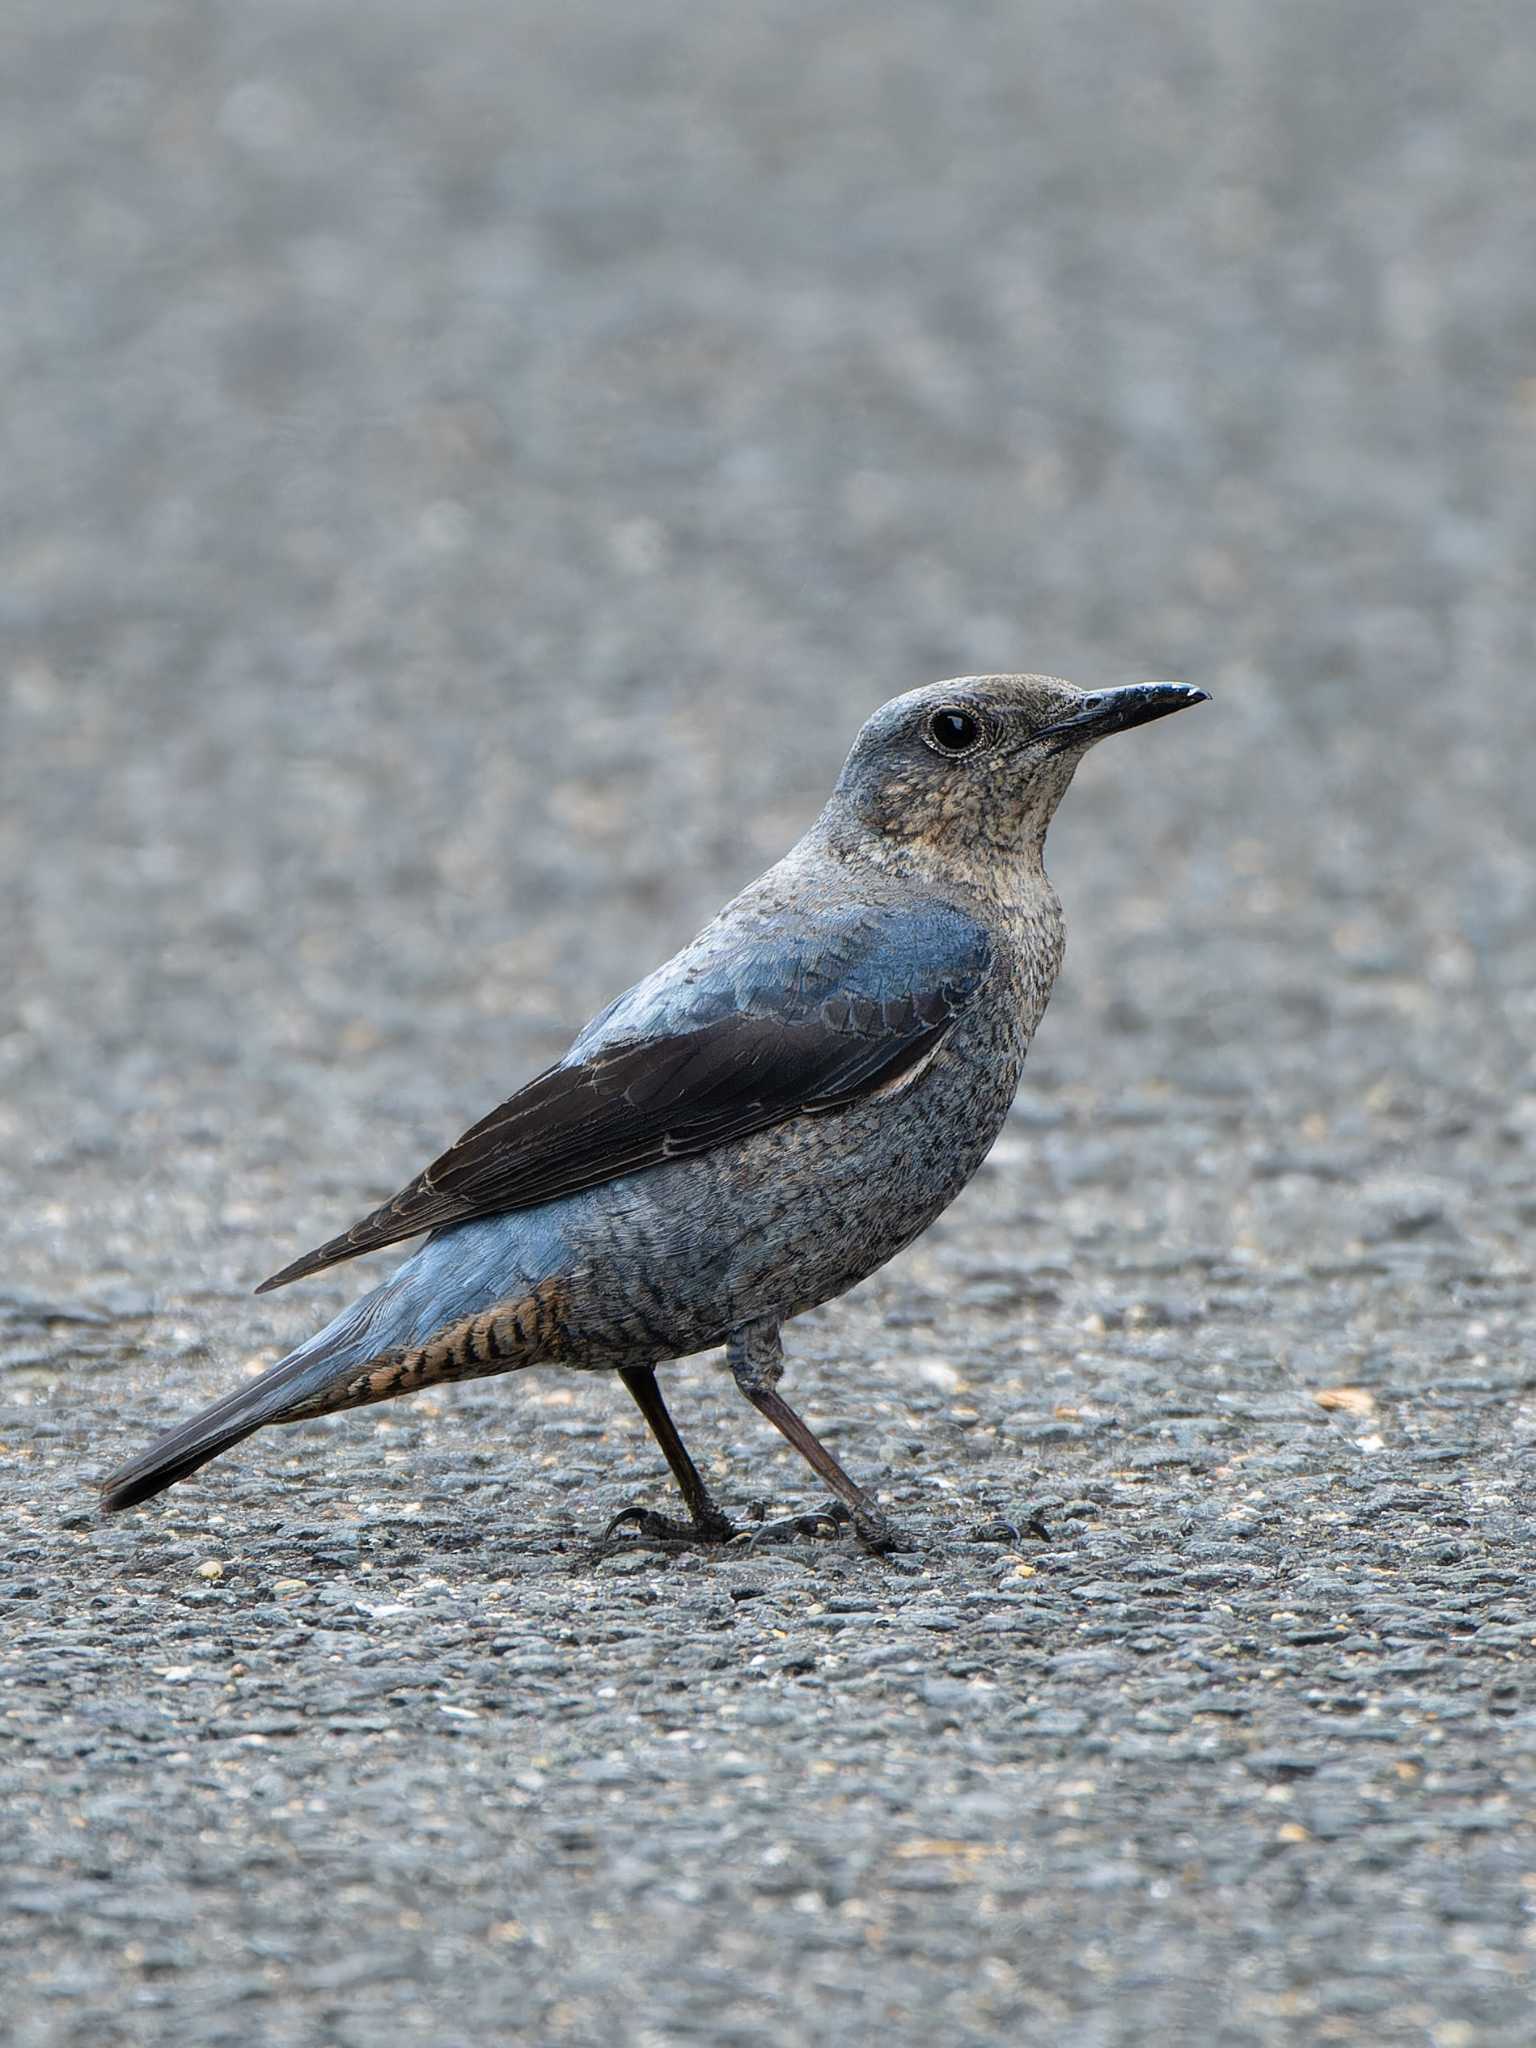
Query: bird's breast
x,y
670,1260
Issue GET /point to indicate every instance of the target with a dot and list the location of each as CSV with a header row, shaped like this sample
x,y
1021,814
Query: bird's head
x,y
980,764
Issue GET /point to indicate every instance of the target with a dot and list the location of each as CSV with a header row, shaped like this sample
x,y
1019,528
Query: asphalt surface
x,y
468,472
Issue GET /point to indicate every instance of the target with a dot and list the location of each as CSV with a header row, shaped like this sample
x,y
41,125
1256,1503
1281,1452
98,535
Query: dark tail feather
x,y
173,1457
293,1382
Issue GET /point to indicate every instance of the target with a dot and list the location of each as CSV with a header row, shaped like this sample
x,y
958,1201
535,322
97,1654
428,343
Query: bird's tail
x,y
316,1377
466,1304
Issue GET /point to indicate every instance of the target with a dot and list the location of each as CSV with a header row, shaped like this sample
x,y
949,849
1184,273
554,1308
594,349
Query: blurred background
x,y
468,472
467,478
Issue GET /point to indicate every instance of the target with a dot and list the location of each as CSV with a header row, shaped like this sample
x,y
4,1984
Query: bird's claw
x,y
824,1522
1000,1531
874,1532
649,1527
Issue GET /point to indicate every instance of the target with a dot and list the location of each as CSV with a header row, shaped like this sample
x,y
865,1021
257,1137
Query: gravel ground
x,y
468,472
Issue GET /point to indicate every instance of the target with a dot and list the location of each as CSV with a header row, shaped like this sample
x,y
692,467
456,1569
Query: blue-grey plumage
x,y
754,1127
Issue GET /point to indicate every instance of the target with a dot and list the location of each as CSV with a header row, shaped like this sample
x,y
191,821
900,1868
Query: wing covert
x,y
782,1032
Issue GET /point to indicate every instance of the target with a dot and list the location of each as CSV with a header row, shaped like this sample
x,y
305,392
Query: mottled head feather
x,y
901,784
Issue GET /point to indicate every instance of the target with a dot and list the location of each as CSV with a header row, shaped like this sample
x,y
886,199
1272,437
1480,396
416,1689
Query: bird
x,y
753,1128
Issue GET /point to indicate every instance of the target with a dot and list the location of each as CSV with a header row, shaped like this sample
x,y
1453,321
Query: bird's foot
x,y
872,1530
826,1522
649,1527
881,1536
1000,1531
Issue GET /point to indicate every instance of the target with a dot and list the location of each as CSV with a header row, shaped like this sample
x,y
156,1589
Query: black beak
x,y
1108,711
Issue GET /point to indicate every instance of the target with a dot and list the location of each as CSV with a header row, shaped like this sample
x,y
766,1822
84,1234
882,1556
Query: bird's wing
x,y
762,1031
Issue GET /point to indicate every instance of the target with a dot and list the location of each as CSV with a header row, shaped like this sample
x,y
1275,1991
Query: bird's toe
x,y
644,1525
825,1522
1000,1530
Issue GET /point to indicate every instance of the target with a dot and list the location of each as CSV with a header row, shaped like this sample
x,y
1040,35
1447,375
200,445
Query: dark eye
x,y
954,732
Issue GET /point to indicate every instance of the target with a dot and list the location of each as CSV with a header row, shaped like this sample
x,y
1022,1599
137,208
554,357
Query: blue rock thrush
x,y
754,1127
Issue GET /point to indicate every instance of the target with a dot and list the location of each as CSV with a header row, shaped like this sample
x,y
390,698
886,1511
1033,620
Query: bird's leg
x,y
756,1359
707,1521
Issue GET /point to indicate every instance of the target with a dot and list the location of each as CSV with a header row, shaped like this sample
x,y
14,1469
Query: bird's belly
x,y
671,1260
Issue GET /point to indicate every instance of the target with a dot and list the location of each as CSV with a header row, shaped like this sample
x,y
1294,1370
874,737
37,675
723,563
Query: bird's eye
x,y
954,732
